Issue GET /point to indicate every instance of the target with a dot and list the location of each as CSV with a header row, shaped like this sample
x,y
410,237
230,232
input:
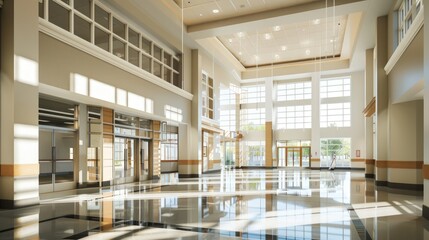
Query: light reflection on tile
x,y
236,204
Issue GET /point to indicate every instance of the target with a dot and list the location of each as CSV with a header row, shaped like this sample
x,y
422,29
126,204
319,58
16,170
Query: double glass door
x,y
56,154
293,156
131,160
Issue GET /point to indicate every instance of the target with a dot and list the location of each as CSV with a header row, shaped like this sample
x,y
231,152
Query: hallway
x,y
233,204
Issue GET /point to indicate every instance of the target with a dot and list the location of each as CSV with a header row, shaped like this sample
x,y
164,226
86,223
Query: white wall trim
x,y
78,43
406,41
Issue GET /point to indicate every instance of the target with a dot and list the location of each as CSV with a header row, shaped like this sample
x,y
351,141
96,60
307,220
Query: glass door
x,y
56,154
144,160
293,157
306,154
124,161
281,153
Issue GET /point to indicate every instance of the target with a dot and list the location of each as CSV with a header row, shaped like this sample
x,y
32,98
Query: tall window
x,y
252,94
294,117
227,109
207,96
293,91
335,115
252,119
335,102
169,143
254,153
297,112
330,88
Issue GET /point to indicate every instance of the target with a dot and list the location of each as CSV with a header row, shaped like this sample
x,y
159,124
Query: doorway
x,y
56,159
124,160
293,156
145,164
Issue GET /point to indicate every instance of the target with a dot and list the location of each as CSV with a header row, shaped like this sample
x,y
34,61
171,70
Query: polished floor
x,y
233,204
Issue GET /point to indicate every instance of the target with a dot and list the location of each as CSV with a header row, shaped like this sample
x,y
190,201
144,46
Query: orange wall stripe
x,y
16,170
189,162
426,171
370,161
399,164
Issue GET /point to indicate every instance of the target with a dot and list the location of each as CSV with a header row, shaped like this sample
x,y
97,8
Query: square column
x,y
19,143
426,113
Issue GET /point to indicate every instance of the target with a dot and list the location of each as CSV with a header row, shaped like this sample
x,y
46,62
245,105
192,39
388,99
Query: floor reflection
x,y
235,204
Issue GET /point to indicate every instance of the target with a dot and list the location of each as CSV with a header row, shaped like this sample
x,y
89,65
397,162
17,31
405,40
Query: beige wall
x,y
59,60
406,77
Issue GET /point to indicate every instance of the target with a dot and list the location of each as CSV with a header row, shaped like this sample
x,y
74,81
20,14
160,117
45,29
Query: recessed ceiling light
x,y
276,56
276,28
267,36
240,53
201,14
284,48
215,11
316,21
240,34
256,57
230,40
307,52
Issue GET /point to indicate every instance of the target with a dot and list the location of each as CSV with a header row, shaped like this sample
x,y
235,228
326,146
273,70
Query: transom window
x,y
337,87
335,115
294,117
293,91
93,22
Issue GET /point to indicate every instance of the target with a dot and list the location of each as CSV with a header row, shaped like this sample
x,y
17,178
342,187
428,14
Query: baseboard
x,y
14,204
369,175
189,175
213,171
256,167
169,172
106,184
425,212
401,186
87,185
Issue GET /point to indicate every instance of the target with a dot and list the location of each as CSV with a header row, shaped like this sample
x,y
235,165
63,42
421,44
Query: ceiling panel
x,y
310,39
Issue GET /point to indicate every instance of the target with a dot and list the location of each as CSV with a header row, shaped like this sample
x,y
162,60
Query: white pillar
x,y
19,143
315,121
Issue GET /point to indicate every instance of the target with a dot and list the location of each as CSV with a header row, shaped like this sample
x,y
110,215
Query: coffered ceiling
x,y
257,38
307,40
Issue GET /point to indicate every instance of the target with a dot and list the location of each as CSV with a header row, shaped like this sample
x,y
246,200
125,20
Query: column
x,y
382,102
315,121
426,114
19,142
82,145
269,122
192,167
369,132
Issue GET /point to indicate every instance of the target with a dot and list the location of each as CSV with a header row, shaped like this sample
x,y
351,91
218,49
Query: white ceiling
x,y
201,11
312,39
164,20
